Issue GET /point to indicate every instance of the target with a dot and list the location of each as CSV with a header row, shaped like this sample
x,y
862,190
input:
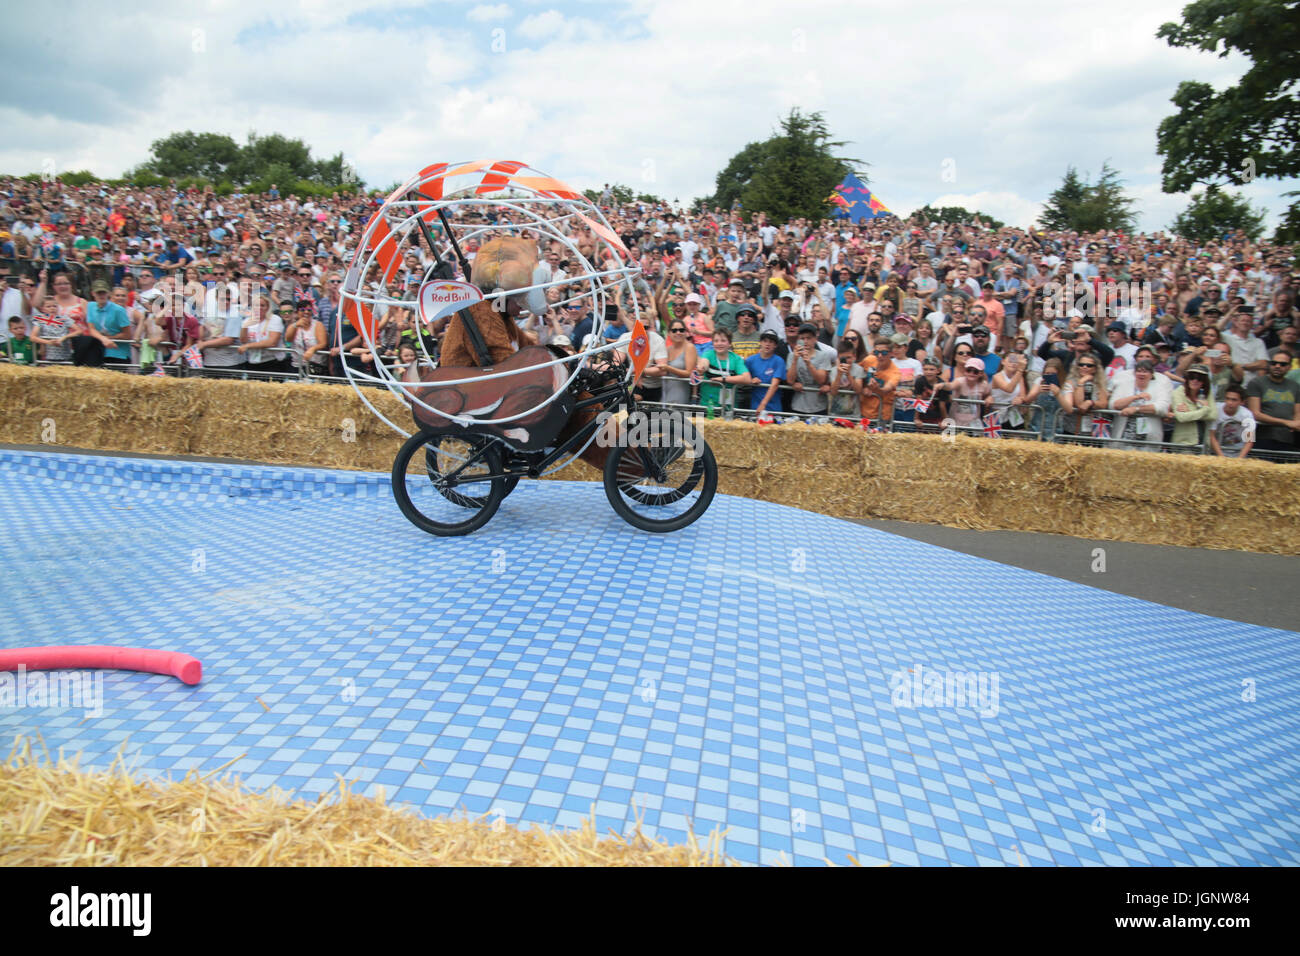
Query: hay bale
x,y
52,813
962,481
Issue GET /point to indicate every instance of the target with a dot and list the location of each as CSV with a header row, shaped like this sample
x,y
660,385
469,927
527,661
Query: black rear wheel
x,y
455,488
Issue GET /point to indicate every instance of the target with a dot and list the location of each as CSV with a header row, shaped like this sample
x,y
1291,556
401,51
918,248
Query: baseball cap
x,y
1117,327
989,284
747,310
809,328
903,317
975,364
787,294
561,340
694,297
1207,309
1198,369
897,339
737,281
868,285
979,330
769,334
99,285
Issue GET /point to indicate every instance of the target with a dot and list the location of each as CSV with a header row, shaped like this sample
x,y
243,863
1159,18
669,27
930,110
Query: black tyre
x,y
454,492
663,484
465,495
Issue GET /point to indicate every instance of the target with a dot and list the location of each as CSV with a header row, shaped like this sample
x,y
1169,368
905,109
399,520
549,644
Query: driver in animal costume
x,y
503,264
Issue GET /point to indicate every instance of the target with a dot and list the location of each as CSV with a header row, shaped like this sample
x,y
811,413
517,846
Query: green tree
x,y
735,178
957,214
1058,211
1288,230
1213,213
788,175
1082,206
209,155
1250,129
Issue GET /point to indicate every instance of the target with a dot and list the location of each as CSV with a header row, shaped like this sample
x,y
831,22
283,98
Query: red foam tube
x,y
169,663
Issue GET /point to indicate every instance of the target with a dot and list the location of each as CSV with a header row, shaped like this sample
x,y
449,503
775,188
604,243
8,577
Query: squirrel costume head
x,y
511,263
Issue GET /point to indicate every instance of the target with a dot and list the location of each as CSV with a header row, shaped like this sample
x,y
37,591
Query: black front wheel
x,y
448,486
665,480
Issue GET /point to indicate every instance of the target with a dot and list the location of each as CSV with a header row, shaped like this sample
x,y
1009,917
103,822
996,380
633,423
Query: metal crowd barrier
x,y
1030,430
1115,420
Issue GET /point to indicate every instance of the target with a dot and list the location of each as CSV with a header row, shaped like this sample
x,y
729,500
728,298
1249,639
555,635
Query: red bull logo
x,y
441,297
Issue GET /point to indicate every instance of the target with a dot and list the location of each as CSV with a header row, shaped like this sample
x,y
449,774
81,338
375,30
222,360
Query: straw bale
x,y
52,813
964,481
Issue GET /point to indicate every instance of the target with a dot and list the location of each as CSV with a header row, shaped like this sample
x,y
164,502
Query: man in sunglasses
x,y
1274,400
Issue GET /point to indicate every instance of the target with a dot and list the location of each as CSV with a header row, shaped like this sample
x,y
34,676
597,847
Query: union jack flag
x,y
159,371
193,357
1100,426
993,425
922,405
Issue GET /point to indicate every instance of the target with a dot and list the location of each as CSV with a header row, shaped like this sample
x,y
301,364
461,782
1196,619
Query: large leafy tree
x,y
262,160
788,175
1251,128
205,155
1084,206
1213,213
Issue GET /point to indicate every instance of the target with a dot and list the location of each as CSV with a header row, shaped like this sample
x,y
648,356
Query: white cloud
x,y
656,95
486,12
539,26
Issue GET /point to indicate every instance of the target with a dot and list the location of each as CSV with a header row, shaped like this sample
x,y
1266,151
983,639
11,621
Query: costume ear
x,y
536,298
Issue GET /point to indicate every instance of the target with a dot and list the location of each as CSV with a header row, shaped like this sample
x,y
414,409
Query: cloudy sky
x,y
949,103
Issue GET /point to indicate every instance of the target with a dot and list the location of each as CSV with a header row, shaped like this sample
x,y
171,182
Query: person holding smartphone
x,y
808,373
1085,391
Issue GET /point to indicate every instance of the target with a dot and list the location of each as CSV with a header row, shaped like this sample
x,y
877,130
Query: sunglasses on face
x,y
1087,365
678,329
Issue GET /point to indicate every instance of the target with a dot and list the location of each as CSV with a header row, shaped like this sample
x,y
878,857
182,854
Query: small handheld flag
x,y
993,425
1100,426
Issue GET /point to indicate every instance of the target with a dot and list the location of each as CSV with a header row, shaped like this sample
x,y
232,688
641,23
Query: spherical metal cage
x,y
523,202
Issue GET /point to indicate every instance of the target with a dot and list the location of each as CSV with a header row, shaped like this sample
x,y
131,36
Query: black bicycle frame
x,y
611,396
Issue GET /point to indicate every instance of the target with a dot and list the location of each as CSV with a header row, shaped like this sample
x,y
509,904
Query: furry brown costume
x,y
504,264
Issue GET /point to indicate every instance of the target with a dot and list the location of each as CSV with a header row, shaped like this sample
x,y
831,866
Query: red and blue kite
x,y
855,201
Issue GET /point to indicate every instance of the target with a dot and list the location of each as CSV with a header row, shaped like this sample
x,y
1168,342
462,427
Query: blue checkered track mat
x,y
818,688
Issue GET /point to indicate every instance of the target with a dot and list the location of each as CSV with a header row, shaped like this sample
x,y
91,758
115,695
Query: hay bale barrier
x,y
1093,493
52,813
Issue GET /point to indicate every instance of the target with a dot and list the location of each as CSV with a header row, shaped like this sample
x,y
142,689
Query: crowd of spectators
x,y
1135,341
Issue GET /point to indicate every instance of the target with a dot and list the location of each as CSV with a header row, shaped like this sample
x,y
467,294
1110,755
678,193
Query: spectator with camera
x,y
1085,392
880,390
808,373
